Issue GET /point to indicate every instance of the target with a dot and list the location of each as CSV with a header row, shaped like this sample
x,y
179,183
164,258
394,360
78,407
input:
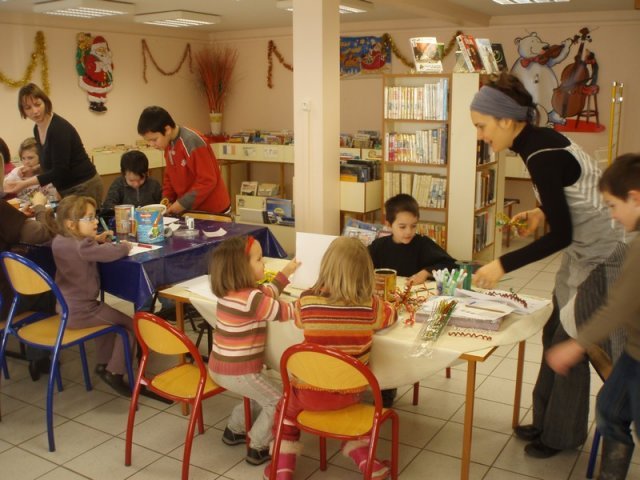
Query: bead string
x,y
470,333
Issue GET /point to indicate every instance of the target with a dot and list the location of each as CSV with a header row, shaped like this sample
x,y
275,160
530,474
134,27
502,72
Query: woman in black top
x,y
63,159
565,180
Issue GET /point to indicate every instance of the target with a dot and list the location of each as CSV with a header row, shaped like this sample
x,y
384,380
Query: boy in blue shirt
x,y
618,403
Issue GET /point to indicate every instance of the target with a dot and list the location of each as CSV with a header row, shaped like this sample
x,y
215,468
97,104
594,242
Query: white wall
x,y
178,94
252,104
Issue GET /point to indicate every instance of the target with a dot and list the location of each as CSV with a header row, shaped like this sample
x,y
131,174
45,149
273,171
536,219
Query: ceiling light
x,y
346,6
523,2
178,19
84,8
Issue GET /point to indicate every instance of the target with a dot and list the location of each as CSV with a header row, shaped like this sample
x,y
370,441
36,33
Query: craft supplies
x,y
467,267
150,227
123,216
385,283
433,327
504,222
446,281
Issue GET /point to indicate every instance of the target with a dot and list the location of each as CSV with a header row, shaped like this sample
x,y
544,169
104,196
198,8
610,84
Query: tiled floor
x,y
90,426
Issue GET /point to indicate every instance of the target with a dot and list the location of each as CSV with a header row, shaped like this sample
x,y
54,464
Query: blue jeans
x,y
618,402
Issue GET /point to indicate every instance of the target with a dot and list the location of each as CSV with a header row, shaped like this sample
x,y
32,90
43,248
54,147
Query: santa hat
x,y
99,41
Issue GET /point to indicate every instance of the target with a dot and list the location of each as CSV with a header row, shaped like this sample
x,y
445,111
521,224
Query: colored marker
x,y
145,245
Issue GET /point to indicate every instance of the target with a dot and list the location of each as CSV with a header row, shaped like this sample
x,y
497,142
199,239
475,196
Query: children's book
x,y
486,54
363,231
268,189
498,53
469,49
249,188
427,54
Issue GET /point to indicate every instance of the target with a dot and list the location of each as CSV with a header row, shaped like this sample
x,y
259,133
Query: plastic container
x,y
150,224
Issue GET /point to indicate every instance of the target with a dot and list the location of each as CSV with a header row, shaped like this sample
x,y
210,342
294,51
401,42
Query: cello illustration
x,y
568,98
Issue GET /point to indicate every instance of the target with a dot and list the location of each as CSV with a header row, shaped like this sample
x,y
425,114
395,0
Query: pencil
x,y
145,245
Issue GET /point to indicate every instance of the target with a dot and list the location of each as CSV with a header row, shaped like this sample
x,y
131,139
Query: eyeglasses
x,y
90,218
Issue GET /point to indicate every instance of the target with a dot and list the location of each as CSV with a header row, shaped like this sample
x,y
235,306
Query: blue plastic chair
x,y
48,332
5,369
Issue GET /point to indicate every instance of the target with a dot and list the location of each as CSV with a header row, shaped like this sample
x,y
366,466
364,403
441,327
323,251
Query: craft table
x,y
136,278
389,358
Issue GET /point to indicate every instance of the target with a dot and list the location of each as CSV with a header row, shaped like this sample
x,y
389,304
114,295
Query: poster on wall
x,y
364,56
567,102
94,66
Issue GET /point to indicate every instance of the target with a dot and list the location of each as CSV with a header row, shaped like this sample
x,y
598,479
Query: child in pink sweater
x,y
239,338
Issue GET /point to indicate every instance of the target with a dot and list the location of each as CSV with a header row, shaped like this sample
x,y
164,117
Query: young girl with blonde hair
x,y
77,249
237,356
30,158
340,311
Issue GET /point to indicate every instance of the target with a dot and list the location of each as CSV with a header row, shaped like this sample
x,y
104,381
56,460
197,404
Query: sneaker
x,y
257,457
231,438
116,382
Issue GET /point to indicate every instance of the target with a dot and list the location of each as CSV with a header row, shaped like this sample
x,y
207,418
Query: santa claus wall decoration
x,y
95,70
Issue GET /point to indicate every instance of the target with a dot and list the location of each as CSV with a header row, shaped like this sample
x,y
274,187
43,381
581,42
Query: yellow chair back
x,y
325,372
24,279
159,339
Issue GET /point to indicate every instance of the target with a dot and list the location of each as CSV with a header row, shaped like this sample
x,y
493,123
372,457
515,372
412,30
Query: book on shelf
x,y
268,189
469,49
249,188
501,60
426,102
427,54
279,210
483,153
427,146
365,232
486,55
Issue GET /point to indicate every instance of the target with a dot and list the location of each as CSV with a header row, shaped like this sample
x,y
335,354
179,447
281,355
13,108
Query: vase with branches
x,y
215,65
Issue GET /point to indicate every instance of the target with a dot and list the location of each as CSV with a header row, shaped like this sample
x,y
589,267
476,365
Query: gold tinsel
x,y
387,42
146,51
39,54
273,50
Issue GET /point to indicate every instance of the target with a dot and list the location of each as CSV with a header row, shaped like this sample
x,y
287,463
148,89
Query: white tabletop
x,y
390,354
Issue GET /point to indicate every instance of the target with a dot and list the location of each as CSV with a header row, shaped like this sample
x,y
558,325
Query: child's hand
x,y
290,267
129,245
104,236
418,278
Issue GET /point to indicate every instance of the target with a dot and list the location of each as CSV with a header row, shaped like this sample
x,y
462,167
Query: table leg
x,y
516,400
468,419
180,326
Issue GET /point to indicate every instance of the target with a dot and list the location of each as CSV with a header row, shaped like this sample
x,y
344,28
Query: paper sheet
x,y
136,249
169,220
221,232
310,248
533,303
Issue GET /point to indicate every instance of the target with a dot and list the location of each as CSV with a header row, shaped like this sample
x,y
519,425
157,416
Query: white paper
x,y
310,248
169,220
199,285
533,303
221,232
136,249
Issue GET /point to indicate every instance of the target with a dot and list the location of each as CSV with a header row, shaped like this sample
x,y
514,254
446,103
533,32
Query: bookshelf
x,y
430,152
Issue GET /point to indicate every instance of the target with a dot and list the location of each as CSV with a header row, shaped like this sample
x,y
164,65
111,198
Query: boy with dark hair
x,y
135,187
412,256
192,179
618,402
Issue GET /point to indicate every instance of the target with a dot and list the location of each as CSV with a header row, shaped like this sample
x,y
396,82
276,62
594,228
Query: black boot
x,y
616,457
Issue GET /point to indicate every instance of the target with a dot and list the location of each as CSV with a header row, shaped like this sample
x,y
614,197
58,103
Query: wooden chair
x,y
188,383
602,365
327,369
49,332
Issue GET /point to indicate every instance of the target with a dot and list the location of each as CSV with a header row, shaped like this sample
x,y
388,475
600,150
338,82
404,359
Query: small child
x,y
340,311
618,403
30,159
76,250
135,187
410,255
239,338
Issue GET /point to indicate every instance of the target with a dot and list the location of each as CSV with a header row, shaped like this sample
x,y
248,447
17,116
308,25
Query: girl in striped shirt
x,y
341,312
239,338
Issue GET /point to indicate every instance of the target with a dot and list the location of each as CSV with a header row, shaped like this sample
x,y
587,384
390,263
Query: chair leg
x,y
323,453
85,367
124,335
5,369
593,456
133,407
196,416
54,375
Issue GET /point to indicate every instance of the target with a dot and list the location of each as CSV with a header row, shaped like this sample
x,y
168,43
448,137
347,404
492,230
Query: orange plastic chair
x,y
328,369
187,382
